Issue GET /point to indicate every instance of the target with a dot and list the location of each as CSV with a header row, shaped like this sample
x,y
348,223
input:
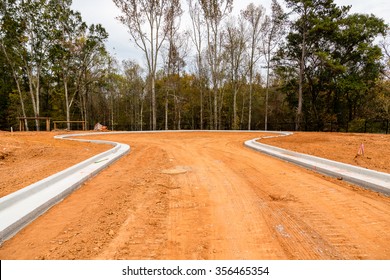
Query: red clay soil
x,y
341,147
26,158
205,196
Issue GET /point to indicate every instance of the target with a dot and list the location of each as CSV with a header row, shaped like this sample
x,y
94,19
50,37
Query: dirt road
x,y
206,196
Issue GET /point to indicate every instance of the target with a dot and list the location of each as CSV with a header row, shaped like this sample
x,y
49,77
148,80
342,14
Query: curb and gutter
x,y
23,206
20,208
366,178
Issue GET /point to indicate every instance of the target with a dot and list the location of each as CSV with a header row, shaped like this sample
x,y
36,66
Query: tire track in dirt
x,y
328,213
289,232
230,228
224,202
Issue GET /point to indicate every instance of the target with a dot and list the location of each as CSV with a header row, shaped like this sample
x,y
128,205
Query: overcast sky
x,y
105,13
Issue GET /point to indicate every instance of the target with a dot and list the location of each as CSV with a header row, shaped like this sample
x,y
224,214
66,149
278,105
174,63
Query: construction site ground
x,y
201,195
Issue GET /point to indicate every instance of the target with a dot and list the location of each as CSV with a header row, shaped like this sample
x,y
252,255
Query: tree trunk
x,y
17,85
67,104
22,104
211,119
33,101
141,114
221,100
250,101
251,66
235,121
201,107
166,110
154,110
179,115
215,108
37,94
267,95
243,112
112,112
300,89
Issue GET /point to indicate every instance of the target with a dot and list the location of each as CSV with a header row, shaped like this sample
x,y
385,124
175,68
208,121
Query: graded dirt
x,y
26,158
365,150
203,195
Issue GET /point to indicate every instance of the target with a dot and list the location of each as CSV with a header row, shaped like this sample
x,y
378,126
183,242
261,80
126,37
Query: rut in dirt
x,y
206,196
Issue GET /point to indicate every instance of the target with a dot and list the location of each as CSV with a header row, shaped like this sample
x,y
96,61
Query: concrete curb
x,y
366,178
20,208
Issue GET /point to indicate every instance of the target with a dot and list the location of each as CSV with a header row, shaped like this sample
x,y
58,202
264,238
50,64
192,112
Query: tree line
x,y
303,65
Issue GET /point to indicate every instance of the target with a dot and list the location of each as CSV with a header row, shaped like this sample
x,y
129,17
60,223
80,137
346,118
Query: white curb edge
x,y
366,178
20,208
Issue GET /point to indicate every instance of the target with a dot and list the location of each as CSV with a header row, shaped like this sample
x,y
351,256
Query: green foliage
x,y
5,88
52,57
341,63
53,64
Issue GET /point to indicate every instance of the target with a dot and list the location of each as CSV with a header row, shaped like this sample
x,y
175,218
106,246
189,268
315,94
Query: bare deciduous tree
x,y
174,61
273,30
214,11
145,21
196,35
235,49
255,17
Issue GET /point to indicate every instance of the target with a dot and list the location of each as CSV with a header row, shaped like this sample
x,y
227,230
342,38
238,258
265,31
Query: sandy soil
x,y
206,196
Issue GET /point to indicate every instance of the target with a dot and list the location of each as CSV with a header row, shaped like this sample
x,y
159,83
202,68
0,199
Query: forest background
x,y
305,65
